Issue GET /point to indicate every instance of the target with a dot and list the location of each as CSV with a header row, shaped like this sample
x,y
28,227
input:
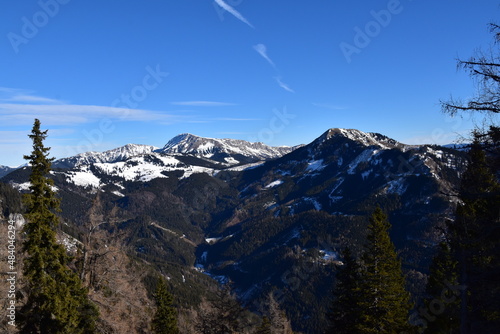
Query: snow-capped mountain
x,y
356,164
364,138
114,155
185,154
266,226
230,151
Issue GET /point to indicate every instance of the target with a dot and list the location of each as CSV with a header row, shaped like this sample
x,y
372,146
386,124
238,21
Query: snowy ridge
x,y
207,147
117,154
364,138
140,168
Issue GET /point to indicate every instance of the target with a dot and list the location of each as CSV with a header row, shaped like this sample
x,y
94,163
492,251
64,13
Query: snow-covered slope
x,y
230,151
364,138
345,164
114,155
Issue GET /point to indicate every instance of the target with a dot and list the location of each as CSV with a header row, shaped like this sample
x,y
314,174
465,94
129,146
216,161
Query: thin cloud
x,y
262,50
203,103
32,99
233,11
64,114
284,85
23,95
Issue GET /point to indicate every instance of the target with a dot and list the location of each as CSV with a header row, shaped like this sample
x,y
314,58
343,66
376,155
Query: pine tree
x,y
384,303
56,301
345,307
165,318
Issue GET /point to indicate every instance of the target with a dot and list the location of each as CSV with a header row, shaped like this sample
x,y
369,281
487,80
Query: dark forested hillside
x,y
277,226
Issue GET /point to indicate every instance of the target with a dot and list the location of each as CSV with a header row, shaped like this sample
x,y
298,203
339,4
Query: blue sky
x,y
101,74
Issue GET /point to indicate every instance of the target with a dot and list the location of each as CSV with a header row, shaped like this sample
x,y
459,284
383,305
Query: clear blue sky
x,y
101,74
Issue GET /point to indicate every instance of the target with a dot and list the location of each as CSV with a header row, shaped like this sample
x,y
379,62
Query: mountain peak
x,y
230,151
363,138
116,154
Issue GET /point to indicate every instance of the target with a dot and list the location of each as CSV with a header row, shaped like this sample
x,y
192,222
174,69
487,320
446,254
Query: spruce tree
x,y
56,301
345,307
384,303
474,239
165,318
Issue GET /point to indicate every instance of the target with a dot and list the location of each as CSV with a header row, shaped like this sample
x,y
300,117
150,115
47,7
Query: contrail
x,y
284,85
262,50
233,11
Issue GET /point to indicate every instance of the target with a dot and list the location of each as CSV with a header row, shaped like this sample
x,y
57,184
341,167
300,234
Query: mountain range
x,y
266,219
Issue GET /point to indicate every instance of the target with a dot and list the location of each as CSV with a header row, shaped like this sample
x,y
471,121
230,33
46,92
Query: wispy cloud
x,y
283,85
66,114
32,99
23,95
262,50
233,11
202,103
328,106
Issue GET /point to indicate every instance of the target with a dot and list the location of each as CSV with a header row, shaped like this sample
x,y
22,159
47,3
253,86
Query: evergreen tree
x,y
345,308
384,303
474,239
165,318
56,301
442,305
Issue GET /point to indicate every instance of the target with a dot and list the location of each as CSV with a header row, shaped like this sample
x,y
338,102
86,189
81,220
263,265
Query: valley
x,y
261,219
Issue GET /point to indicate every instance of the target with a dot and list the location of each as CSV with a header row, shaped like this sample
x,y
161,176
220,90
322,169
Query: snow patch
x,y
274,184
328,255
315,165
83,178
117,193
396,187
212,241
231,161
269,205
363,157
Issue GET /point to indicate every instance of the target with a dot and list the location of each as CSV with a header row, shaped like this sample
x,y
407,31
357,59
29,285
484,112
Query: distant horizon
x,y
100,74
187,133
